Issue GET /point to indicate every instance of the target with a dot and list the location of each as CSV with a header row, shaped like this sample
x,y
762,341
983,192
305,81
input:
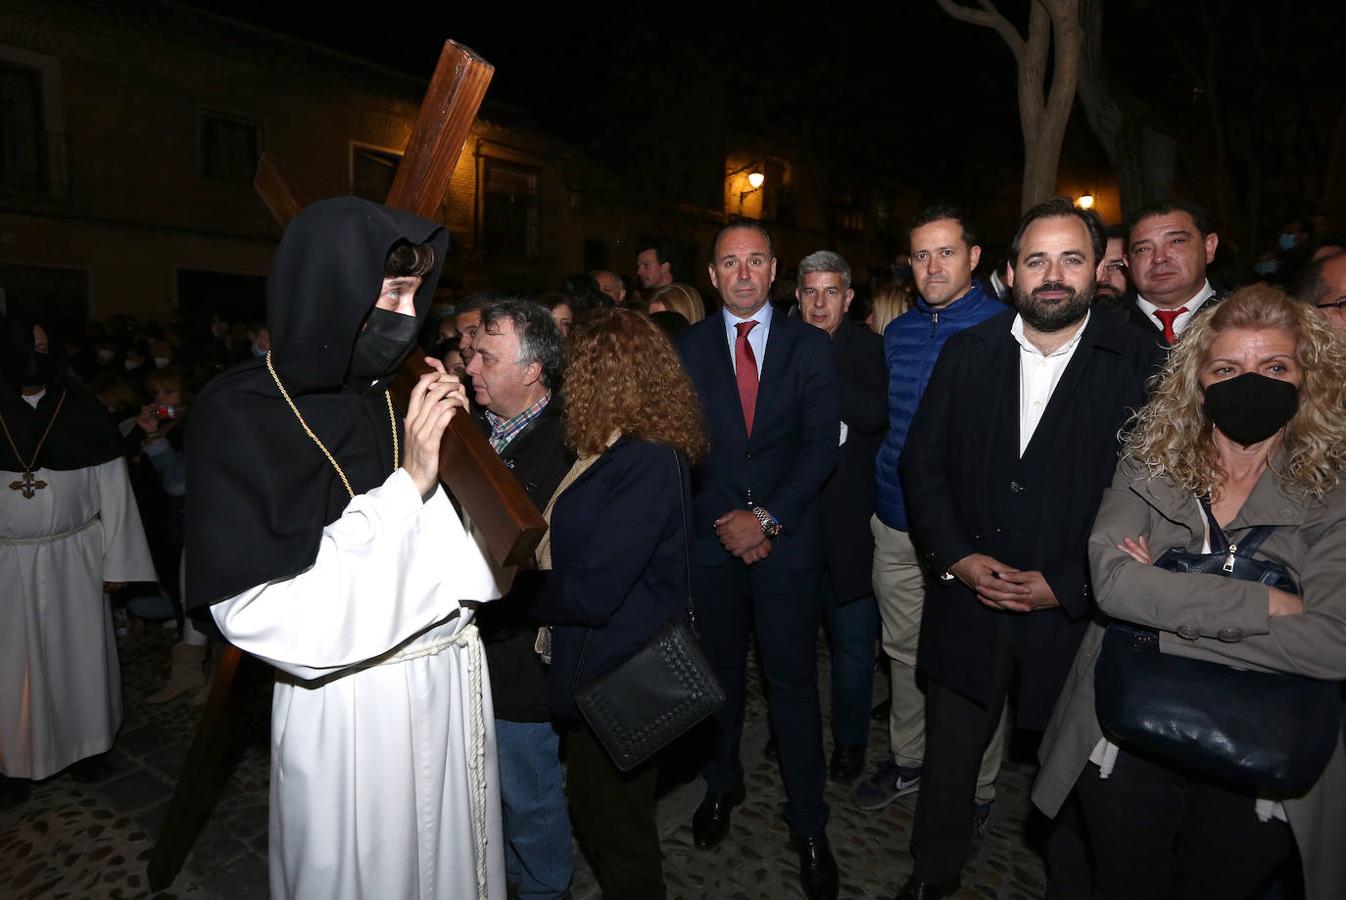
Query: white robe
x,y
60,680
378,738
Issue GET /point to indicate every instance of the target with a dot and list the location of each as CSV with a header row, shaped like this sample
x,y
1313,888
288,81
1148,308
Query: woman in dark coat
x,y
618,541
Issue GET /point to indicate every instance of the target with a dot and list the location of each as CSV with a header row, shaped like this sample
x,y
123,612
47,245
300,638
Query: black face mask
x,y
37,370
1251,407
384,343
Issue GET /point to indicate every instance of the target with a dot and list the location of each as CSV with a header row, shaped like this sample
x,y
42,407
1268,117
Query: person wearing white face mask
x,y
259,339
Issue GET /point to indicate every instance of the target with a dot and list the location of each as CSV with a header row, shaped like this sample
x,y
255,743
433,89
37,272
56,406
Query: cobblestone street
x,y
73,840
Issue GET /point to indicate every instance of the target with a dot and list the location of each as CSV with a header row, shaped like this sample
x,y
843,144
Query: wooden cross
x,y
509,522
28,485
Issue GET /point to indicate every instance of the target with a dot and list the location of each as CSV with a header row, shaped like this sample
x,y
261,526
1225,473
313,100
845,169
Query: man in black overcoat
x,y
850,613
1004,467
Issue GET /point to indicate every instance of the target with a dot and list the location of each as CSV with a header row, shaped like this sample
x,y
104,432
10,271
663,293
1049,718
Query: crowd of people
x,y
973,481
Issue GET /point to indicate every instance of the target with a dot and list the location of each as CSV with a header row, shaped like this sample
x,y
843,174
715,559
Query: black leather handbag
x,y
658,694
1274,732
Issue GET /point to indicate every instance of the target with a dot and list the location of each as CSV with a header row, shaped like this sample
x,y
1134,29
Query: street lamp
x,y
755,182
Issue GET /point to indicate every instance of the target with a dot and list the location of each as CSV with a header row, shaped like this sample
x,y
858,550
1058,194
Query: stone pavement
x,y
74,840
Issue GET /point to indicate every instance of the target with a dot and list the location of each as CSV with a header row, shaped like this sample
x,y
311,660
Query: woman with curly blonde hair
x,y
618,546
1246,428
679,298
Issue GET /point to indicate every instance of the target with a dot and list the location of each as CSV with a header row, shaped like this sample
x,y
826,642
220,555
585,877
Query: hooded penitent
x,y
260,490
81,435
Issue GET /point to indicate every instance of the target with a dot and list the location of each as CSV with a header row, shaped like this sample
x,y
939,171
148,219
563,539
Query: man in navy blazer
x,y
757,547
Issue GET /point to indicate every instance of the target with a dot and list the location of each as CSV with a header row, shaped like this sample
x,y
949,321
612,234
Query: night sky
x,y
902,90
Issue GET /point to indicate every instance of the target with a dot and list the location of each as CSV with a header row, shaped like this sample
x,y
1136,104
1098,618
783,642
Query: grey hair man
x,y
824,291
515,373
611,284
847,591
518,360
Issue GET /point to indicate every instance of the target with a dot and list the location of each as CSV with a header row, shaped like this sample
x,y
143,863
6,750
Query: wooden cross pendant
x,y
28,485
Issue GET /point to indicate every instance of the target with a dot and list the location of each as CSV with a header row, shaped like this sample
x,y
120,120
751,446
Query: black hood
x,y
325,278
259,490
81,434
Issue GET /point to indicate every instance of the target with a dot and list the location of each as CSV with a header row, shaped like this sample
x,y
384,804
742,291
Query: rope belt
x,y
469,640
50,538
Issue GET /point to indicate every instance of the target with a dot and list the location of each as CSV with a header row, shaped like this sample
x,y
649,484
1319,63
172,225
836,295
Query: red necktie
x,y
1166,318
745,371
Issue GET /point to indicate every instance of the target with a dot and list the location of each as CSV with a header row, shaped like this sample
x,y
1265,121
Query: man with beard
x,y
1006,461
1114,282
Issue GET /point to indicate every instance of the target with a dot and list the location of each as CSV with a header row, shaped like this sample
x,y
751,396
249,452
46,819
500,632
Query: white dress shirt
x,y
756,337
1039,376
1181,321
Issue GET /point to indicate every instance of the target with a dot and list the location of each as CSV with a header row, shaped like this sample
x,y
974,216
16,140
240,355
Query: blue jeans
x,y
538,854
852,629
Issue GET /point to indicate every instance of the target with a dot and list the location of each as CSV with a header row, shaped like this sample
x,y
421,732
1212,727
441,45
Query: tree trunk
x,y
1043,114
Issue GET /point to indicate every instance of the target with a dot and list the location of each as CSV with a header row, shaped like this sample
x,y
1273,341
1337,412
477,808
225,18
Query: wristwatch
x,y
770,524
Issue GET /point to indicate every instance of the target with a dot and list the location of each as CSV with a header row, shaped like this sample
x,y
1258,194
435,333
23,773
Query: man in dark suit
x,y
1169,246
1004,466
849,611
757,523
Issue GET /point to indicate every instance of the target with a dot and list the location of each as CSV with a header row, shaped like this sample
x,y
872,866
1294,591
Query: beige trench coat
x,y
1213,618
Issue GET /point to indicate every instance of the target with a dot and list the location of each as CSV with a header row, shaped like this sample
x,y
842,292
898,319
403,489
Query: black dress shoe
x,y
916,889
817,868
847,763
710,822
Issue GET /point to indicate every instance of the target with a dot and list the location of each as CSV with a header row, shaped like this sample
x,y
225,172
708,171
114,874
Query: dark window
x,y
239,298
595,254
511,210
848,210
54,295
372,172
229,148
22,135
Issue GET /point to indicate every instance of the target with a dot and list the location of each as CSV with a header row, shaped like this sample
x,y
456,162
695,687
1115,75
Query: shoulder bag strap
x,y
686,545
1246,547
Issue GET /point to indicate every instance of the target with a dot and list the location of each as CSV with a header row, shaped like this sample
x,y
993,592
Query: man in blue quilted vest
x,y
944,253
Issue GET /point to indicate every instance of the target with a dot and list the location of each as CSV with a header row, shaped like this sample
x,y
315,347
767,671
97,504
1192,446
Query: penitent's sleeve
x,y
388,569
126,554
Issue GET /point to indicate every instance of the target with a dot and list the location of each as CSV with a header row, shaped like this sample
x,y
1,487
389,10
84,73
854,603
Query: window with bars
x,y
372,172
22,133
511,219
230,146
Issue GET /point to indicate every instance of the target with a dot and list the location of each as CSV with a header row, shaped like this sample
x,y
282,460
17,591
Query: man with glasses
x,y
1114,284
1323,285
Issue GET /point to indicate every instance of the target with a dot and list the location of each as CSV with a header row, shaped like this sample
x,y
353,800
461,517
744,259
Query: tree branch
x,y
987,17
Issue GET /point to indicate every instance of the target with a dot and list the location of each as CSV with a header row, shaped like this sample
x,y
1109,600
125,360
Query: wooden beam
x,y
203,774
273,187
498,505
446,118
